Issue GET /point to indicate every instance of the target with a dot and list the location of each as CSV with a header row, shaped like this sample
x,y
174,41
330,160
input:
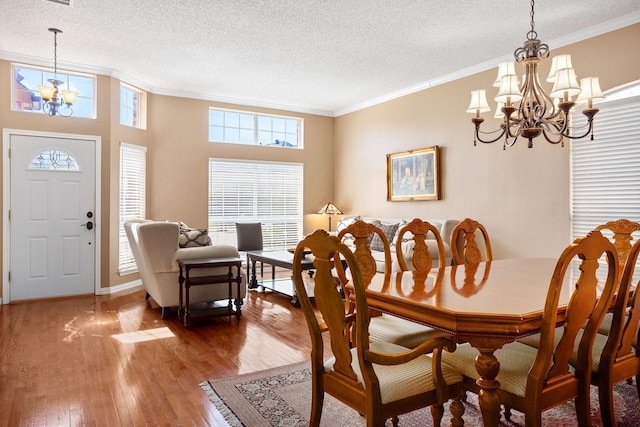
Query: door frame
x,y
6,202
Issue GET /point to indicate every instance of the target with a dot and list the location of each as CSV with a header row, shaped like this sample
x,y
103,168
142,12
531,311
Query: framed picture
x,y
413,175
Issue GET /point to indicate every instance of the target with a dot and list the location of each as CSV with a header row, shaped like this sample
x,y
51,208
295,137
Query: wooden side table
x,y
186,280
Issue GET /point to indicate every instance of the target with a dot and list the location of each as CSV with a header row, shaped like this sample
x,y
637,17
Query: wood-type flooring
x,y
111,360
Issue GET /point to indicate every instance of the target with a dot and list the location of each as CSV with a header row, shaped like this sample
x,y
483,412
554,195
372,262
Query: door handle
x,y
89,225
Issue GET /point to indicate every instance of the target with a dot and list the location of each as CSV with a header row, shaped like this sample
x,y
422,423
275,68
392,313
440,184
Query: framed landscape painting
x,y
413,175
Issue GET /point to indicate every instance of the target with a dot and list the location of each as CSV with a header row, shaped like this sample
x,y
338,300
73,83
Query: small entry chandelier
x,y
526,109
54,98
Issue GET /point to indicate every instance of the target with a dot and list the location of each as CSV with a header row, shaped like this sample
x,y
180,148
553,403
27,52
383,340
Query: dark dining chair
x,y
249,238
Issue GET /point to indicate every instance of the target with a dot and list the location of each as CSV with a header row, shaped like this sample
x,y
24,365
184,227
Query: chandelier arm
x,y
488,141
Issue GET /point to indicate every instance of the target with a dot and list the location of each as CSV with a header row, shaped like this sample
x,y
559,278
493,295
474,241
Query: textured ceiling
x,y
321,56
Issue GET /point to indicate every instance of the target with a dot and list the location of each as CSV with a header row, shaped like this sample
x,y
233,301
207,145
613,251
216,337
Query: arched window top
x,y
54,159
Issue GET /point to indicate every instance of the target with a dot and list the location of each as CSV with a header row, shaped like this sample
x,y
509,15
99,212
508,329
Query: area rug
x,y
282,397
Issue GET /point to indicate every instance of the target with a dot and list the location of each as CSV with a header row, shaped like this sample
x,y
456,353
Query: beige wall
x,y
178,160
521,195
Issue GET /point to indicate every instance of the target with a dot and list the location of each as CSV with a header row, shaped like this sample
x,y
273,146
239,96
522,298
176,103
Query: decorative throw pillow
x,y
191,237
389,231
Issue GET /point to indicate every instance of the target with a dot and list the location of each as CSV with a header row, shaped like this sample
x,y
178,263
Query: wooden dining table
x,y
488,305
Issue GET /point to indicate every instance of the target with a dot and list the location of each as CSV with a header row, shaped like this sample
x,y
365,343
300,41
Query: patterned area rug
x,y
282,397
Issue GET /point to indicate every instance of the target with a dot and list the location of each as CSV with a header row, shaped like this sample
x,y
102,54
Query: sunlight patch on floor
x,y
145,335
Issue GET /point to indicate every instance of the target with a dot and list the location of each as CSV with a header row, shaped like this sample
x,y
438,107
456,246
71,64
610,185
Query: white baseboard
x,y
134,284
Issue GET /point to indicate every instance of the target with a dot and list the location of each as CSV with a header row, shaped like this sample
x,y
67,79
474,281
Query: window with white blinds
x,y
605,172
132,198
254,191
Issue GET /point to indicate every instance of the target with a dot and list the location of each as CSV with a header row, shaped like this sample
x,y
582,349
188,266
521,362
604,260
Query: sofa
x,y
156,248
391,228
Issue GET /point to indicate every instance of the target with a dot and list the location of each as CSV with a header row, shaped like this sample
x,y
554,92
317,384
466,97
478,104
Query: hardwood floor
x,y
111,360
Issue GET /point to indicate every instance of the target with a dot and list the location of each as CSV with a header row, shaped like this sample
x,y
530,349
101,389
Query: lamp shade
x,y
504,68
330,209
509,90
591,91
46,92
69,96
558,63
566,83
478,102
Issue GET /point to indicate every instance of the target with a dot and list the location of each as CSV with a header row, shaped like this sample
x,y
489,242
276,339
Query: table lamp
x,y
330,209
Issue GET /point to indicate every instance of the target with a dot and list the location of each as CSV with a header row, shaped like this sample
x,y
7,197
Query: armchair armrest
x,y
221,251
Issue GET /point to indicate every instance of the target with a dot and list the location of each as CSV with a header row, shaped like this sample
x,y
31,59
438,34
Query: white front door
x,y
52,217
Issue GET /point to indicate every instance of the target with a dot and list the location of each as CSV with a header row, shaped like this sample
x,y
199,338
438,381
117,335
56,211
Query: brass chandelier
x,y
526,109
54,98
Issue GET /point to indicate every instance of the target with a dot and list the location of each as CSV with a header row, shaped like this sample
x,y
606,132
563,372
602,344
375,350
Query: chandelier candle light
x,y
53,97
527,111
330,209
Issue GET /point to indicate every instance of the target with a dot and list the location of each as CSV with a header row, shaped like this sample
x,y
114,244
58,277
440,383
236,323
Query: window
x,y
605,172
53,159
132,197
238,127
132,106
252,191
26,94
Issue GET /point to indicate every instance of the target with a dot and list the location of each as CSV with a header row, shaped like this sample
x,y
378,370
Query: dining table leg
x,y
488,367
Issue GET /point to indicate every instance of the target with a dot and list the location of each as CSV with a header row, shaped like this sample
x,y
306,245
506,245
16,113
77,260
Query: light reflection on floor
x,y
144,335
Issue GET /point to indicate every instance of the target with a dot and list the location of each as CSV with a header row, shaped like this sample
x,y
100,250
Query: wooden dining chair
x,y
362,232
464,246
622,230
383,327
421,258
379,380
616,354
534,379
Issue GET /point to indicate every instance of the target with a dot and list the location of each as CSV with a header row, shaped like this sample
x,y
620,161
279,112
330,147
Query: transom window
x,y
132,106
241,127
26,94
254,191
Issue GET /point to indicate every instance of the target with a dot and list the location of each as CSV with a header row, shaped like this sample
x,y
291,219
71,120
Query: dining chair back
x,y
620,357
622,230
383,327
362,233
464,245
379,380
536,378
421,258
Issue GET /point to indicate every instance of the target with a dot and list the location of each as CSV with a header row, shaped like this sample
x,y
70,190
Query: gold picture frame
x,y
413,175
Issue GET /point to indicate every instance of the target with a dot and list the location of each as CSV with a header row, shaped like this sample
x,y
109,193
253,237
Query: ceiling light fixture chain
x,y
54,98
527,110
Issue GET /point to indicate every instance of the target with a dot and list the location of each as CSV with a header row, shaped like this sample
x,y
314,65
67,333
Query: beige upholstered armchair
x,y
156,251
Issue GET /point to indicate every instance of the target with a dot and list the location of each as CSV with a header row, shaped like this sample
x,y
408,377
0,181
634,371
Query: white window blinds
x,y
254,191
132,198
605,173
